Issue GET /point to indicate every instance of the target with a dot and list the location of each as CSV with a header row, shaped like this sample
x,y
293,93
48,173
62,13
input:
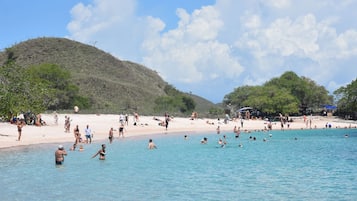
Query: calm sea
x,y
290,165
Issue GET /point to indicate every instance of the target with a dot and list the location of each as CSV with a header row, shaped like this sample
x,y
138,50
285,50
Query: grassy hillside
x,y
112,85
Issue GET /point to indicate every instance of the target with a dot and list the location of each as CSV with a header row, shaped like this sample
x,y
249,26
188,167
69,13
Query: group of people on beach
x,y
78,137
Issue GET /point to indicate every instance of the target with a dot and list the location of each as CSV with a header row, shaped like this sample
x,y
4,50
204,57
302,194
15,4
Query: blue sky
x,y
207,47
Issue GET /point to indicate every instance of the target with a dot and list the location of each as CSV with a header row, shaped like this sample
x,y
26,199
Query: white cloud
x,y
347,43
109,24
303,45
283,37
191,52
217,43
277,3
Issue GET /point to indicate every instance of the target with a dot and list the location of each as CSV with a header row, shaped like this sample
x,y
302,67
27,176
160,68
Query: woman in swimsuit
x,y
101,153
77,135
19,129
111,133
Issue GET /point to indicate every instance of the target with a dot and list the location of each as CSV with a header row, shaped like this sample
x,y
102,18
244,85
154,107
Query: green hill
x,y
112,85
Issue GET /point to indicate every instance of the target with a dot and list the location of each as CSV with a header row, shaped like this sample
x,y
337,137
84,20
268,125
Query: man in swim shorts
x,y
59,155
88,134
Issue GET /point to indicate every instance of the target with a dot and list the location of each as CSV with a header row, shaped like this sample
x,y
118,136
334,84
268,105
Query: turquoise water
x,y
318,165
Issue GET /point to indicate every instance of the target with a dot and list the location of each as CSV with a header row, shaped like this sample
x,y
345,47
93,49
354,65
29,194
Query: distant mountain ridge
x,y
112,85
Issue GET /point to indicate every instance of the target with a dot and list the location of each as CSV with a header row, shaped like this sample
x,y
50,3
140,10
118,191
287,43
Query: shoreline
x,y
100,125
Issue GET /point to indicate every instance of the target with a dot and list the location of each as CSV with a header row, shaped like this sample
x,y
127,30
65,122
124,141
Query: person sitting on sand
x,y
208,122
101,153
59,155
151,145
156,119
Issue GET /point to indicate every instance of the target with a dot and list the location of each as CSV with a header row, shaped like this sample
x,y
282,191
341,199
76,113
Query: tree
x,y
174,101
286,94
19,93
239,95
347,100
36,89
62,94
272,100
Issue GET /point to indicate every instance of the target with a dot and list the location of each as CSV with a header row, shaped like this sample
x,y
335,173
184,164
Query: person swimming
x,y
151,145
204,140
221,143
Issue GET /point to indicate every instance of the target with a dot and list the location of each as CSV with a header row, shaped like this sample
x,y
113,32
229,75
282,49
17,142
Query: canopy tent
x,y
329,107
244,109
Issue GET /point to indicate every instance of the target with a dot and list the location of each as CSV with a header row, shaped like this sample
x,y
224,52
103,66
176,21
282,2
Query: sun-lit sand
x,y
147,125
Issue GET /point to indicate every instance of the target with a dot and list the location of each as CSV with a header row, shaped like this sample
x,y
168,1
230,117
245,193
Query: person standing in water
x,y
59,155
218,129
101,153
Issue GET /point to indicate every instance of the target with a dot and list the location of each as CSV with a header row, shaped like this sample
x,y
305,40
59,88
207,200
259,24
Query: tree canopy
x,y
174,101
36,89
287,94
347,100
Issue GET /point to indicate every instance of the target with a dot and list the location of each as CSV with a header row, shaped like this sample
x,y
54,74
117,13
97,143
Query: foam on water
x,y
318,165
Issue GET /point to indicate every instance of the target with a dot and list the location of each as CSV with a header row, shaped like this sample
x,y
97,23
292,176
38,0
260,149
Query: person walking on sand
x,y
59,155
19,129
167,119
88,133
67,124
151,145
101,153
55,117
111,135
127,119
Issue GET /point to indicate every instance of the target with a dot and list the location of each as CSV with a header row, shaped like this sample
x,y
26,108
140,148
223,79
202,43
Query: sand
x,y
146,126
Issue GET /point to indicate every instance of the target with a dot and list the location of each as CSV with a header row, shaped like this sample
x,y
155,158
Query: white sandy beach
x,y
100,125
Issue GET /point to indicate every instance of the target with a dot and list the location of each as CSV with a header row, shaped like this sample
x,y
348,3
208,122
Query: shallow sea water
x,y
318,165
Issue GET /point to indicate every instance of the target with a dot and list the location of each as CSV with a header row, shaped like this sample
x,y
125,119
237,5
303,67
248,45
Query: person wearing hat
x,y
59,155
